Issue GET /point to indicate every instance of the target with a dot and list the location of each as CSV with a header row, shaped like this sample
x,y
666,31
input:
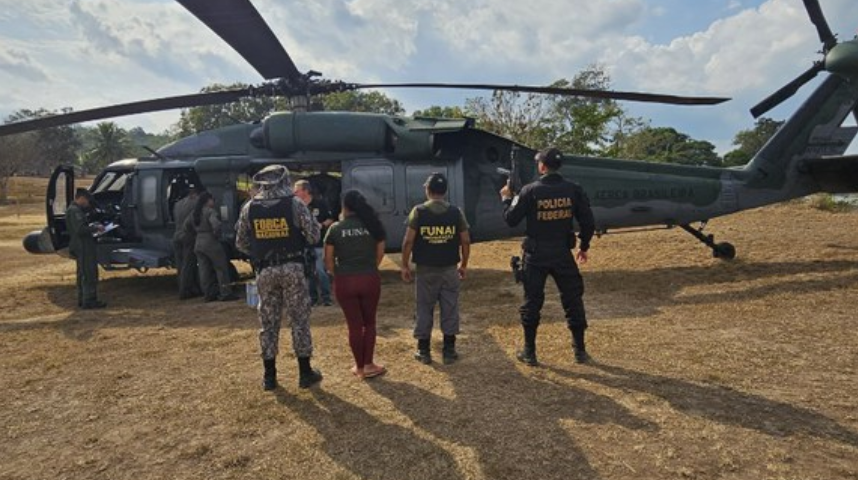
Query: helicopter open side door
x,y
59,196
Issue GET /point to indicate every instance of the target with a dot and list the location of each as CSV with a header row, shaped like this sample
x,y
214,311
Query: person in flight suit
x,y
183,247
438,236
211,257
273,230
322,212
83,248
549,205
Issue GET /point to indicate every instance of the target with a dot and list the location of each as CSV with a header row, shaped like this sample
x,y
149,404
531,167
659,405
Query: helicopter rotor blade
x,y
786,91
167,103
605,94
822,28
240,25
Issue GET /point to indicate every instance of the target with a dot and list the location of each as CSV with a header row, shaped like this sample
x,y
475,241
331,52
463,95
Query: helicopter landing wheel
x,y
724,251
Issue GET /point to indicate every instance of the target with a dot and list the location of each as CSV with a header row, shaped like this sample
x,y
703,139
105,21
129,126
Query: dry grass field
x,y
705,370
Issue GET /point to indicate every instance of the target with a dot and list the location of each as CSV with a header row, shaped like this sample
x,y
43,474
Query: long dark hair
x,y
202,200
357,204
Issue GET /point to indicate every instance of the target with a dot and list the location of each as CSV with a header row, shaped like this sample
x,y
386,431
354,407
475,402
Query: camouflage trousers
x,y
280,288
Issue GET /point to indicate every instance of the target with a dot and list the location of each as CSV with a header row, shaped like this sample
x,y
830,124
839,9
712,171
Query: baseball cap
x,y
436,183
551,157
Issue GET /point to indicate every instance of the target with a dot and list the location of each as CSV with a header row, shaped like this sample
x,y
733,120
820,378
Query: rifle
x,y
512,174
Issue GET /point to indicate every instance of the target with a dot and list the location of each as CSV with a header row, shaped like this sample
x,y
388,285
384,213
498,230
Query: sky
x,y
89,53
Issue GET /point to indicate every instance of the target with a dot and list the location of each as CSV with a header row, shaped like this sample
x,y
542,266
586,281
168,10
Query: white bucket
x,y
252,294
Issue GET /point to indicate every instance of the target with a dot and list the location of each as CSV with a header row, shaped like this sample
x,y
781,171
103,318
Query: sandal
x,y
375,373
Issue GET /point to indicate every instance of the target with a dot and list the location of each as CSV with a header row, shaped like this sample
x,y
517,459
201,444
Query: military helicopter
x,y
389,157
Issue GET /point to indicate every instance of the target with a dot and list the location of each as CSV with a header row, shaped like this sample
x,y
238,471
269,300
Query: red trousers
x,y
358,296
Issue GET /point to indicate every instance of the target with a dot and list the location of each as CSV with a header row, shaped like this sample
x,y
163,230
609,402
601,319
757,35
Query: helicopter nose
x,y
38,242
843,59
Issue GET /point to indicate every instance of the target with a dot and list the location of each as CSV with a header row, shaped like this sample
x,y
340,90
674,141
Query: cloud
x,y
154,37
18,64
97,52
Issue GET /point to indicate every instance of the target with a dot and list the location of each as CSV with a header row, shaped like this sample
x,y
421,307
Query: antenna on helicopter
x,y
154,153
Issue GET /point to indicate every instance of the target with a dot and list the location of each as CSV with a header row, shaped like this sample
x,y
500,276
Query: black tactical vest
x,y
275,237
437,241
549,224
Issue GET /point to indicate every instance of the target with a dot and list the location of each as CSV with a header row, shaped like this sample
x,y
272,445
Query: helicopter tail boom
x,y
782,169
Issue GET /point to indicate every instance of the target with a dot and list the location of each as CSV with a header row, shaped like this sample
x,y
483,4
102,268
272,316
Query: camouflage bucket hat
x,y
271,175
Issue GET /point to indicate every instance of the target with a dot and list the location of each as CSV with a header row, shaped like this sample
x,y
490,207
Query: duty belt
x,y
278,260
531,245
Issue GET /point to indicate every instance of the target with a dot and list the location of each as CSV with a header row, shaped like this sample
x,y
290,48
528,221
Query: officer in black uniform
x,y
549,205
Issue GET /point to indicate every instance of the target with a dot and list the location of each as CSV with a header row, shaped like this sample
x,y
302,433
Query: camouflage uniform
x,y
283,286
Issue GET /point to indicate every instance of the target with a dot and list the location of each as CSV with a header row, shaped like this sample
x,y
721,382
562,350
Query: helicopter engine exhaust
x,y
38,242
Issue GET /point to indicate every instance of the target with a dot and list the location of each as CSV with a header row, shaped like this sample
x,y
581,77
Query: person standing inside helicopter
x,y
549,206
84,249
184,241
211,257
273,229
439,239
320,282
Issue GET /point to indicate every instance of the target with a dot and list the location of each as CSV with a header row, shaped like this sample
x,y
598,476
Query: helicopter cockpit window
x,y
60,201
111,182
119,184
376,184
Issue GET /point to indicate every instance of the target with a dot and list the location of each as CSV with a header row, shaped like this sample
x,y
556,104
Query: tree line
x,y
582,126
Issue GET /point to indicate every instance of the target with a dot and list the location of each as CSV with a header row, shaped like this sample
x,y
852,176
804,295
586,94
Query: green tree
x,y
582,125
437,111
522,118
665,144
139,138
623,128
15,152
585,126
749,142
52,146
109,144
362,101
197,119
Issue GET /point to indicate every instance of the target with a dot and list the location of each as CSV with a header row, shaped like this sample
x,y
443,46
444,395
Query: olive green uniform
x,y
211,257
184,241
83,248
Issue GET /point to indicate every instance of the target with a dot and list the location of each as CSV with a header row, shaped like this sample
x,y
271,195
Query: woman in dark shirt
x,y
354,247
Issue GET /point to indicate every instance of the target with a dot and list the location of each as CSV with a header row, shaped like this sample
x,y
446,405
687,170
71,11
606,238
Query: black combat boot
x,y
269,378
579,347
422,354
528,354
93,305
307,376
449,352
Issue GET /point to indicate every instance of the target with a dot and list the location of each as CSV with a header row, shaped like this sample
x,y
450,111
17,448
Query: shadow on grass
x,y
152,300
721,404
512,420
366,446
